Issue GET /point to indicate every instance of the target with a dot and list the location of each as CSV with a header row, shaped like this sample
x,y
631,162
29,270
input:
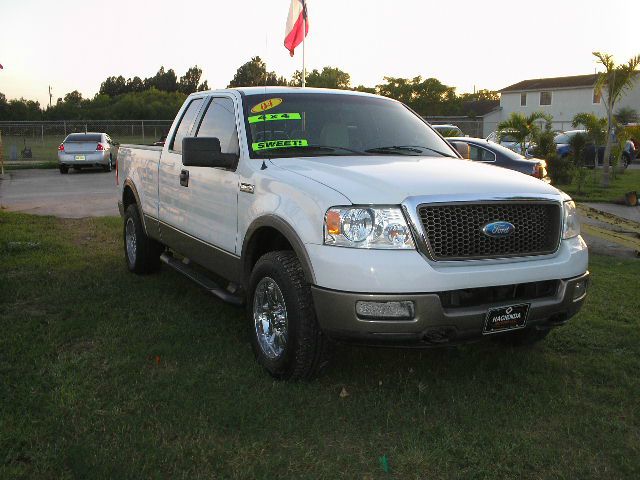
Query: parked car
x,y
507,140
81,150
339,215
563,148
448,130
482,150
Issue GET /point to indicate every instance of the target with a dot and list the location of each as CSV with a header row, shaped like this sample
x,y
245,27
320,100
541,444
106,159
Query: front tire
x,y
141,253
285,335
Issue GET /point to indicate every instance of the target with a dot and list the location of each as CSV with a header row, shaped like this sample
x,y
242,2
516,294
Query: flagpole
x,y
304,35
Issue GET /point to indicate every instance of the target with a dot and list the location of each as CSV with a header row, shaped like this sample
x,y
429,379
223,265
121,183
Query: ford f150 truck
x,y
343,216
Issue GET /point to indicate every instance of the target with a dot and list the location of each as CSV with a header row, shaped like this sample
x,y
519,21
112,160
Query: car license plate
x,y
79,157
506,318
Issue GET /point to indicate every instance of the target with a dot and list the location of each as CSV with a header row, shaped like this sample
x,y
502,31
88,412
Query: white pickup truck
x,y
342,216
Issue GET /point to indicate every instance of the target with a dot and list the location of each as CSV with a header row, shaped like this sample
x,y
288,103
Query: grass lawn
x,y
593,192
110,375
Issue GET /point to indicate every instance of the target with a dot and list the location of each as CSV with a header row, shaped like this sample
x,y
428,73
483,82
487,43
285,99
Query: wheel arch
x,y
130,196
270,233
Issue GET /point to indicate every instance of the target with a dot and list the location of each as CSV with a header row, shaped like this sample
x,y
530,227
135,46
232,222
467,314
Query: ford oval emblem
x,y
498,229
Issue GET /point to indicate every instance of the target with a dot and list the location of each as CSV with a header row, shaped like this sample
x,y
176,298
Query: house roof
x,y
478,108
576,81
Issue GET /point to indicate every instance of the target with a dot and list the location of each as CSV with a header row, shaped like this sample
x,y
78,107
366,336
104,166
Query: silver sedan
x,y
87,150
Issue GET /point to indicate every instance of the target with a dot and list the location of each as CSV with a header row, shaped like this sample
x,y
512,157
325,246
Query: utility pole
x,y
50,96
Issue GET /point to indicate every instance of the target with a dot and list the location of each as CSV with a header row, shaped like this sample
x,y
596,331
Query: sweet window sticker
x,y
266,105
272,144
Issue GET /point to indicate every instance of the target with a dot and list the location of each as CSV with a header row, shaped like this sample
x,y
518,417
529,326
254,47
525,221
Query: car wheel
x,y
285,335
141,253
109,166
64,169
522,338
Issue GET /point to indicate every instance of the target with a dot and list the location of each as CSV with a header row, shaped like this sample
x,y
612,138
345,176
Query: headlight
x,y
367,227
570,224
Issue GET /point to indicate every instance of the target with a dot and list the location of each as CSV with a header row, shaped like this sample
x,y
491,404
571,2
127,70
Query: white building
x,y
561,97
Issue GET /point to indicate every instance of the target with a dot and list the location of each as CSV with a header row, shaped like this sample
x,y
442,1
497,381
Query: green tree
x,y
362,88
114,86
626,115
254,74
613,84
135,84
524,128
594,126
166,81
329,77
427,97
190,81
482,94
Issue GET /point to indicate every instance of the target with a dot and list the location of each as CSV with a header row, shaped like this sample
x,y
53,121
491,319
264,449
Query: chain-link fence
x,y
39,141
479,128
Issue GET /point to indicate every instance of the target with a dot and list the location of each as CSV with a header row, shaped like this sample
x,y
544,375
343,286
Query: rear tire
x,y
64,169
141,253
523,338
109,166
285,335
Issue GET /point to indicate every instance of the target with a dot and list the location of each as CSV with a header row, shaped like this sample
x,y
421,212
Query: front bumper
x,y
433,324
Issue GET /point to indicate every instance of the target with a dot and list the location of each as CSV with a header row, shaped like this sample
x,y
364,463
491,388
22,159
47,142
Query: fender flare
x,y
128,183
288,232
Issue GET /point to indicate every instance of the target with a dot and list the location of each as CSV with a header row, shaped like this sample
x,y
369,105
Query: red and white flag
x,y
1,67
297,25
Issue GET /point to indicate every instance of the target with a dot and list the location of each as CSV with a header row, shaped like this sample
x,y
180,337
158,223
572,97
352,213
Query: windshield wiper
x,y
328,149
419,149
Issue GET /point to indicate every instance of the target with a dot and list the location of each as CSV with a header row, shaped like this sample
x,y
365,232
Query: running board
x,y
201,280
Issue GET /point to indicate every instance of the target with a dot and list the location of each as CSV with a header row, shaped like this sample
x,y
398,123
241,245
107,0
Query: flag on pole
x,y
297,25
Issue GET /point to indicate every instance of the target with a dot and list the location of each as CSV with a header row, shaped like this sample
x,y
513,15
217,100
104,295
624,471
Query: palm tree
x,y
523,127
595,128
613,82
626,115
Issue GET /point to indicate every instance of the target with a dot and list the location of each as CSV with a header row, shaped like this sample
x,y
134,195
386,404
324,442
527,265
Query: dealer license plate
x,y
506,318
80,157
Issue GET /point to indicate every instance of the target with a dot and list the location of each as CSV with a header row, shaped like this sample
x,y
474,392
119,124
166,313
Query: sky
x,y
467,44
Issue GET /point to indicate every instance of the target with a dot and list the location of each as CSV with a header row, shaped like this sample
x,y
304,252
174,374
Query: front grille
x,y
473,297
454,231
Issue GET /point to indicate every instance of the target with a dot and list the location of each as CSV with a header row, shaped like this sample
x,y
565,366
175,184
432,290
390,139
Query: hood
x,y
391,179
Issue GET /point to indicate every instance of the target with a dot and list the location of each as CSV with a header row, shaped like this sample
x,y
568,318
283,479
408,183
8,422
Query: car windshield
x,y
84,137
320,124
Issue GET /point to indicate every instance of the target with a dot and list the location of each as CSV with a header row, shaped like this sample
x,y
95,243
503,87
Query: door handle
x,y
184,178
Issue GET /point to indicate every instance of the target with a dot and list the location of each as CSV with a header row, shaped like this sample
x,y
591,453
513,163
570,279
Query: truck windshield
x,y
320,124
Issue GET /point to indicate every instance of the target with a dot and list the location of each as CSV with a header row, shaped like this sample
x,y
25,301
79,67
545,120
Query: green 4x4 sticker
x,y
268,117
271,144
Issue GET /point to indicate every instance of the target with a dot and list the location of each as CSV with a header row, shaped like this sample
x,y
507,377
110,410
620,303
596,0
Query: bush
x,y
561,170
544,147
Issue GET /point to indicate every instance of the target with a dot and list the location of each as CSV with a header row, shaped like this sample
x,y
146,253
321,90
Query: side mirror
x,y
462,148
206,152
